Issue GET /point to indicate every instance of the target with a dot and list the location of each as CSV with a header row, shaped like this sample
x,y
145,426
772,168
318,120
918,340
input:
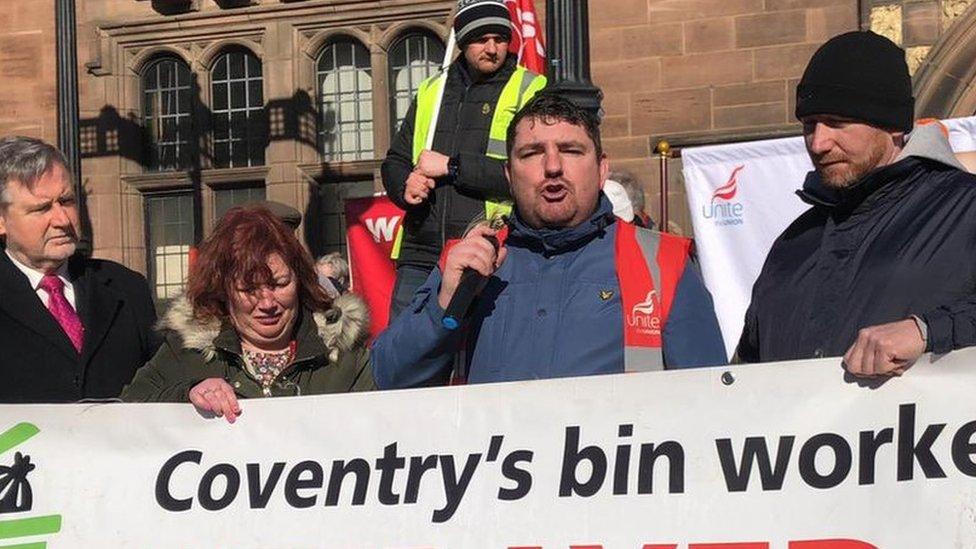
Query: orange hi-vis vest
x,y
649,265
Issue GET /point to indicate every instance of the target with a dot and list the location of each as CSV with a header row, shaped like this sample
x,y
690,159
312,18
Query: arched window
x,y
167,105
413,58
237,103
345,91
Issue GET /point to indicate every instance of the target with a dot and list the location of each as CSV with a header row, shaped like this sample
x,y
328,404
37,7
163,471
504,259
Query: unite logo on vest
x,y
642,317
649,266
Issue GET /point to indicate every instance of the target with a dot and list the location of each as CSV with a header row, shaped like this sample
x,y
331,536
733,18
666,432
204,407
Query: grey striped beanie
x,y
475,18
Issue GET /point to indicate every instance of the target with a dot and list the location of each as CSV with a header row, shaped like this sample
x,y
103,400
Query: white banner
x,y
741,197
772,454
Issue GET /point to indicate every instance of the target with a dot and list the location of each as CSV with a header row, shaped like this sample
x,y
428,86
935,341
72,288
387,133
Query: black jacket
x,y
901,242
39,364
462,131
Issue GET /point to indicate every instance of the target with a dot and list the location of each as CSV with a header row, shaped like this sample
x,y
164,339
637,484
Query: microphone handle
x,y
468,288
470,285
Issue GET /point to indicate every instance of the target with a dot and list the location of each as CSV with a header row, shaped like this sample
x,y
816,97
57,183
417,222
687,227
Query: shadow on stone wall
x,y
295,118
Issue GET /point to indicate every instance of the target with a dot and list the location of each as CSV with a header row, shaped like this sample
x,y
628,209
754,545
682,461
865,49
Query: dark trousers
x,y
409,279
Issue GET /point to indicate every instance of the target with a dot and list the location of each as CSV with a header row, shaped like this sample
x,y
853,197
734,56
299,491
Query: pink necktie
x,y
63,312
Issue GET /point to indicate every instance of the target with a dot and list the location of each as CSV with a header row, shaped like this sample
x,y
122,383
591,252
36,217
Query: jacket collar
x,y
464,70
556,241
925,143
20,302
307,343
870,189
96,301
328,333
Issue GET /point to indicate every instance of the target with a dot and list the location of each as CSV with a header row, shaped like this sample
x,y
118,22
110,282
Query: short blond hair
x,y
337,263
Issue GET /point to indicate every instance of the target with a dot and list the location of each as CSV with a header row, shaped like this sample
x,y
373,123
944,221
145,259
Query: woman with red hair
x,y
255,322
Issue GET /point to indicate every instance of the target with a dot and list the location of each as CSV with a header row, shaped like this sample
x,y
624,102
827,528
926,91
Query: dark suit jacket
x,y
38,362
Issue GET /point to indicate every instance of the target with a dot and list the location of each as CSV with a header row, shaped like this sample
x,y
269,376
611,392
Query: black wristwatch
x,y
453,165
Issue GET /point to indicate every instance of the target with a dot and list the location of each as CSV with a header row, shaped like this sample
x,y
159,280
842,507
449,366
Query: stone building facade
x,y
696,72
296,100
28,85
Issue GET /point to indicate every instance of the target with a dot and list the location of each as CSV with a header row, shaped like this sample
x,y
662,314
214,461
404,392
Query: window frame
x,y
361,94
249,186
254,141
151,274
393,94
185,148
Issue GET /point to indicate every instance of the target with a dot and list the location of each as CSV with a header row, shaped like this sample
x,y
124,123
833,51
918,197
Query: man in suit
x,y
71,328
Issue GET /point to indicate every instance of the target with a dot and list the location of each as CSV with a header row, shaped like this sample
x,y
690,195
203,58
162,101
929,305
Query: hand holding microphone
x,y
468,266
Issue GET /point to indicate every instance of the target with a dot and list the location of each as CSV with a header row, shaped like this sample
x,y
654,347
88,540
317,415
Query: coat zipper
x,y
457,127
447,195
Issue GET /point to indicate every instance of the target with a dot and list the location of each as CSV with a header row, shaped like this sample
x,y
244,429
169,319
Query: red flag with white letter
x,y
527,35
371,226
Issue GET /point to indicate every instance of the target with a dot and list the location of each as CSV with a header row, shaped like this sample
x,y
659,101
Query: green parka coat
x,y
330,356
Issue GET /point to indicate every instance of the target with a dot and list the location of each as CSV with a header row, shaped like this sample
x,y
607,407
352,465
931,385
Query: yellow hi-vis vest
x,y
520,88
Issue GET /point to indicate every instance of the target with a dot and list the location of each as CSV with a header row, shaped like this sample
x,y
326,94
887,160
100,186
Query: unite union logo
x,y
642,317
646,307
722,210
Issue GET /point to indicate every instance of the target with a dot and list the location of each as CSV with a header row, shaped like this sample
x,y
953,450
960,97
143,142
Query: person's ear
x,y
899,139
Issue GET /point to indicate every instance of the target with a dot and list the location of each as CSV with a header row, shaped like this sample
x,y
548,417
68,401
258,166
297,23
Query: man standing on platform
x,y
71,328
573,290
882,267
460,175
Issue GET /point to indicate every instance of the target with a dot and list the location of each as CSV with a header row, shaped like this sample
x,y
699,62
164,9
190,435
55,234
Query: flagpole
x,y
445,64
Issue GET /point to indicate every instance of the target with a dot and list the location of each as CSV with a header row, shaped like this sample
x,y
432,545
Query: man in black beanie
x,y
883,266
446,176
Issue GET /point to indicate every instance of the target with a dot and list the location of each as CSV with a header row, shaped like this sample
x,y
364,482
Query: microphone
x,y
470,285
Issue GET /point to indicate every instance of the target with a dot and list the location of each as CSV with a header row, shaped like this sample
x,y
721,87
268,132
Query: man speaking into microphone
x,y
571,291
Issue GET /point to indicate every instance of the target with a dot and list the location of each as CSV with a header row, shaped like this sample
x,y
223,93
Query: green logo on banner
x,y
16,495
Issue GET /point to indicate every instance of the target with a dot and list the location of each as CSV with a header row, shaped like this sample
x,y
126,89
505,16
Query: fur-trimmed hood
x,y
341,328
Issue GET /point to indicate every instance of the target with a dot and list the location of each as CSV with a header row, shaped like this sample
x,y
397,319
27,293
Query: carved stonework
x,y
915,57
102,55
137,56
886,21
951,9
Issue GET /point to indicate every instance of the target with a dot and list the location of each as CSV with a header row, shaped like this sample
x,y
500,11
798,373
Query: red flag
x,y
371,226
527,35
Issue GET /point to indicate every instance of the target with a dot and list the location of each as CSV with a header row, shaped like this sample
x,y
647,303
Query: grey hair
x,y
338,263
25,160
633,187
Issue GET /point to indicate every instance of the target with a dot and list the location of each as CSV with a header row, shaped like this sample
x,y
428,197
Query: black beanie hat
x,y
859,75
476,18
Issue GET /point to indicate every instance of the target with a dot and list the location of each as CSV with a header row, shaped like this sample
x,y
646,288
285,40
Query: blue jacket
x,y
542,315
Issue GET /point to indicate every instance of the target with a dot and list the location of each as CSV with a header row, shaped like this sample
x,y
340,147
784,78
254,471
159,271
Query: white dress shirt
x,y
35,277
